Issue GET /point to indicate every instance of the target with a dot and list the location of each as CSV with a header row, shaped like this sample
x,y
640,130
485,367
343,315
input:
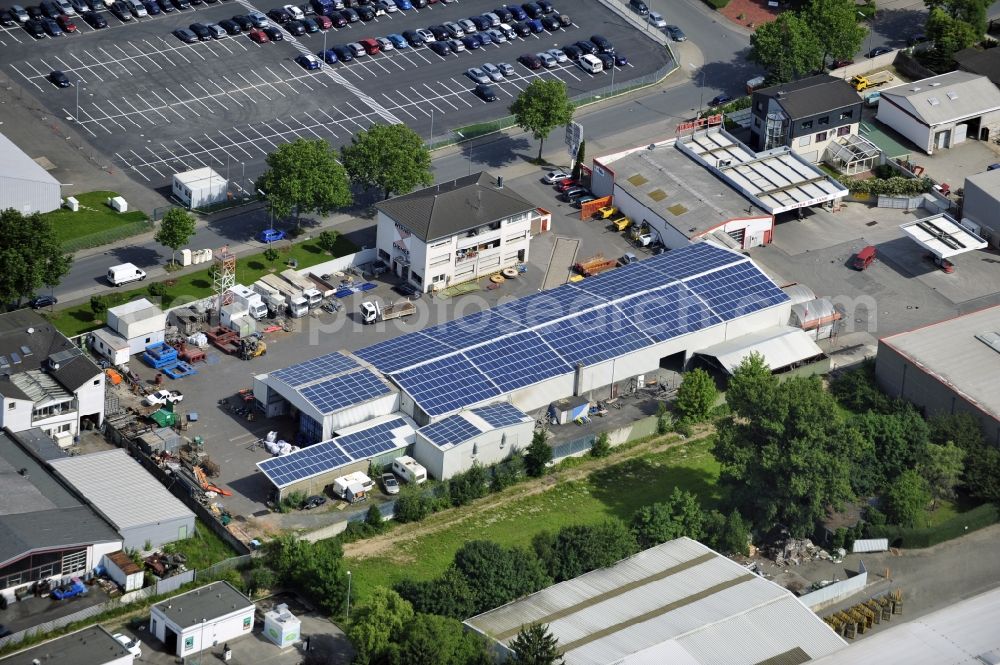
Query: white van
x,y
409,470
590,63
125,273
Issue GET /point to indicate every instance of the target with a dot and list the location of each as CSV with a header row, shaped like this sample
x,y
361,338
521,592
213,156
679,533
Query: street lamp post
x,y
348,595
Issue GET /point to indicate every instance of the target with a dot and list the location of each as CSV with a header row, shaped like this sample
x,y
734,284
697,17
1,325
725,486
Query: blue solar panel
x,y
317,368
501,414
624,281
303,463
344,390
737,290
446,385
517,361
453,429
669,312
472,329
594,336
395,354
692,260
547,306
372,441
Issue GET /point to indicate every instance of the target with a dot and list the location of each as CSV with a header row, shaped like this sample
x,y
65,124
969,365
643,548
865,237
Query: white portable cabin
x,y
200,187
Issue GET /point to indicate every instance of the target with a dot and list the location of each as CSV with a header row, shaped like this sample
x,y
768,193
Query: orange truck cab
x,y
864,258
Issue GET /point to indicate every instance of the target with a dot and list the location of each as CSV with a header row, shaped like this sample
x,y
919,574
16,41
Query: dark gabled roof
x,y
985,62
812,95
42,342
455,206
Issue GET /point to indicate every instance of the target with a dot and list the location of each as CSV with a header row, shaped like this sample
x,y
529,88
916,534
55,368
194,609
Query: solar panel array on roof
x,y
395,354
344,390
372,440
317,368
452,430
302,464
502,414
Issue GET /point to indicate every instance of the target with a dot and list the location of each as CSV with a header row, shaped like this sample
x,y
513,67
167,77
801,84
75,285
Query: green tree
x,y
304,176
30,255
578,549
327,241
391,158
538,455
436,640
497,575
535,645
176,229
601,446
835,25
785,452
375,622
680,515
942,468
907,499
541,107
581,154
787,47
696,395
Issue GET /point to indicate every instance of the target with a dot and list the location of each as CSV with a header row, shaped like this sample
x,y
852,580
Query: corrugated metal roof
x,y
681,592
781,347
120,489
961,634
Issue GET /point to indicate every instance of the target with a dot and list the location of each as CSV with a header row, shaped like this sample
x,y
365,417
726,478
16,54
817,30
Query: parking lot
x,y
157,105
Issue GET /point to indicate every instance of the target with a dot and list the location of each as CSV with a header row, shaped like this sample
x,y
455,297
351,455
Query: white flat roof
x,y
942,236
777,180
680,601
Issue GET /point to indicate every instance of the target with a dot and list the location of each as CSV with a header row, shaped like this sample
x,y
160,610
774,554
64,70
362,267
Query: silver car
x,y
492,71
477,75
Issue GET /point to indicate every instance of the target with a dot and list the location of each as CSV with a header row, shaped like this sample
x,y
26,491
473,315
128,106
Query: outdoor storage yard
x,y
157,105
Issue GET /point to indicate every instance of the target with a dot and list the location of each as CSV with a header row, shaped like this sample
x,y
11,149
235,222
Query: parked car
x,y
390,484
485,92
161,397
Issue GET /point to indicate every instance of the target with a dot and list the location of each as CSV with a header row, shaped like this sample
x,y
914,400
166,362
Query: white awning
x,y
781,347
942,236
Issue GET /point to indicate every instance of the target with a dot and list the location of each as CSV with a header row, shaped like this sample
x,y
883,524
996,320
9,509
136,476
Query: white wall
x,y
213,632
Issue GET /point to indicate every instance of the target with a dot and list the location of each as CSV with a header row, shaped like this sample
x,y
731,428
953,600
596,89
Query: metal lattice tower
x,y
224,276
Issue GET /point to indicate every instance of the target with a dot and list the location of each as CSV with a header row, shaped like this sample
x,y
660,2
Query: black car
x,y
244,22
95,20
441,48
366,13
485,93
295,28
47,301
551,23
273,33
504,14
521,28
572,52
279,16
413,38
586,47
202,31
35,28
61,80
120,11
344,53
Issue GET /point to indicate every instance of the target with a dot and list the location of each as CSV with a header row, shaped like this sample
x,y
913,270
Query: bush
x,y
601,446
157,289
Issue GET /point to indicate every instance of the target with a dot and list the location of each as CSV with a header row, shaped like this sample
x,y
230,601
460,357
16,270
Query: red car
x,y
66,24
324,22
259,36
370,45
565,184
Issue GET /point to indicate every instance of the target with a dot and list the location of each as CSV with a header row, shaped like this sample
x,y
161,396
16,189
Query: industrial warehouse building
x,y
943,111
948,367
456,231
578,339
143,511
91,646
678,603
200,619
46,531
24,185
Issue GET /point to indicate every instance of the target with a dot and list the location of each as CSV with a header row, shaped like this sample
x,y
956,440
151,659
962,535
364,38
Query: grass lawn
x,y
616,491
203,548
197,285
94,216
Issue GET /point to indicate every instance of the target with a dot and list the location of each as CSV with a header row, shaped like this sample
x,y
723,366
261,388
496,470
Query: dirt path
x,y
386,543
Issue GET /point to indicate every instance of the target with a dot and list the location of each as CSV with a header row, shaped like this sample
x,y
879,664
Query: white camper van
x,y
125,273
